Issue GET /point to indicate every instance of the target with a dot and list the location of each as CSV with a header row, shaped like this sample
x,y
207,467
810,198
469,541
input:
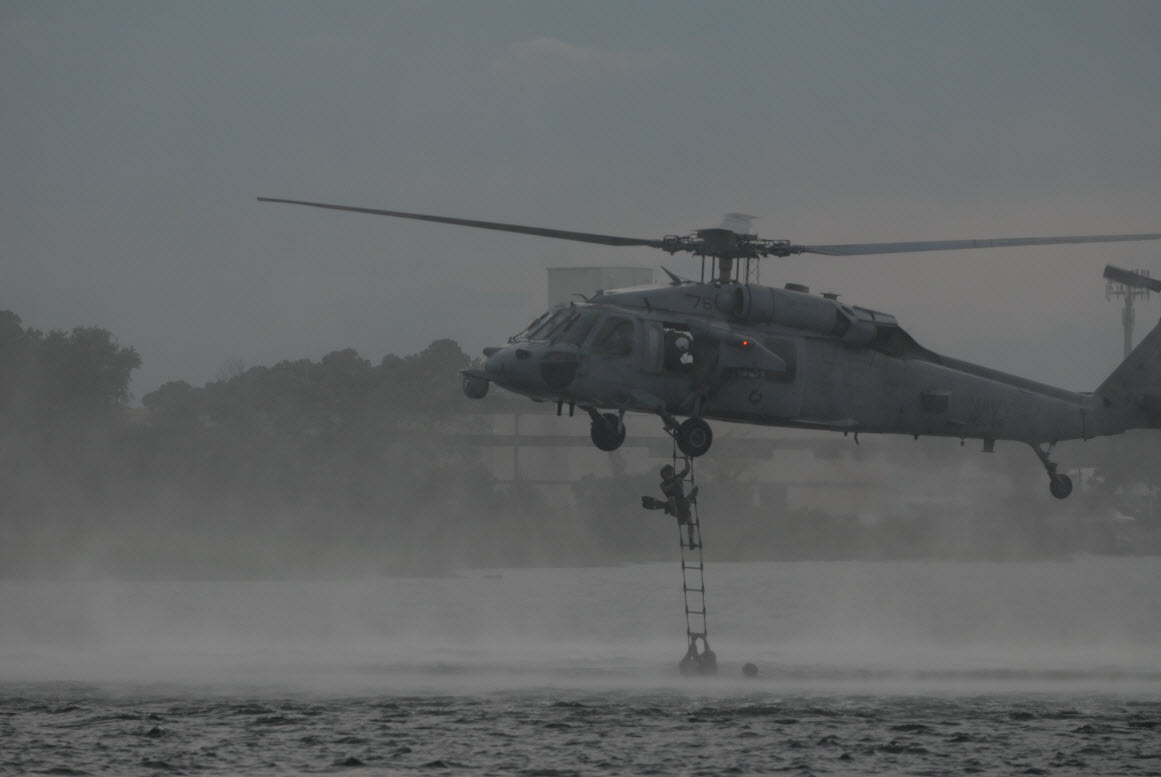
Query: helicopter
x,y
725,349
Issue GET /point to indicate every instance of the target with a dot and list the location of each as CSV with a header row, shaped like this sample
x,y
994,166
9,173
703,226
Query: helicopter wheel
x,y
694,437
1060,486
607,433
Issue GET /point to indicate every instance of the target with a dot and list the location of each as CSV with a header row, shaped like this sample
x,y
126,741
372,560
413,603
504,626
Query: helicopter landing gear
x,y
607,430
1059,485
694,437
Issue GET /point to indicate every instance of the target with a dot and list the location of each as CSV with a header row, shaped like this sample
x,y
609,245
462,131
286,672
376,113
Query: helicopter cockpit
x,y
544,360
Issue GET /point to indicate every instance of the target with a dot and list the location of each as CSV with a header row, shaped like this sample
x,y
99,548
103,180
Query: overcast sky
x,y
135,136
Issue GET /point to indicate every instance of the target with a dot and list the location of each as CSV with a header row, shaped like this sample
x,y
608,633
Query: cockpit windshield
x,y
577,327
566,324
523,333
546,325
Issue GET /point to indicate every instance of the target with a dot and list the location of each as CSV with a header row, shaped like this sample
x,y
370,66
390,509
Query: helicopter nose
x,y
508,366
530,369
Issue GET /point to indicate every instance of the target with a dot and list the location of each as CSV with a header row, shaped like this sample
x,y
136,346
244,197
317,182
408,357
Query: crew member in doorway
x,y
676,501
678,351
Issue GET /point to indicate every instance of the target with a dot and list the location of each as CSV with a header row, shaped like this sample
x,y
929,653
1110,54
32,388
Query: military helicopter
x,y
725,349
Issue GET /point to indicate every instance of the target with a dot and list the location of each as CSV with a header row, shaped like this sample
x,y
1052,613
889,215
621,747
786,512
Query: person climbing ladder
x,y
699,658
676,502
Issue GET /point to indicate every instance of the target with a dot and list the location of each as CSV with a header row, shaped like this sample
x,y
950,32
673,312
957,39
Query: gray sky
x,y
134,137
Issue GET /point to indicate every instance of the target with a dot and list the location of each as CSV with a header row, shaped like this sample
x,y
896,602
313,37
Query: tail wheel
x,y
607,433
694,437
1060,486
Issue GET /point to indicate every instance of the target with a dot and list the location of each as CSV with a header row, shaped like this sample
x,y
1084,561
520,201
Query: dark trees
x,y
76,377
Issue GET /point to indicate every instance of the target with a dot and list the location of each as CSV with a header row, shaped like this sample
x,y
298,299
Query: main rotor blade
x,y
858,249
560,234
748,246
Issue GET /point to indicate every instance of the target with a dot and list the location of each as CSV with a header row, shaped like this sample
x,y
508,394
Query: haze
x,y
924,627
137,135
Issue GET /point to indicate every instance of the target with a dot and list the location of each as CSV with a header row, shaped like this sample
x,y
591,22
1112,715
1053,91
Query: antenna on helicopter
x,y
1131,285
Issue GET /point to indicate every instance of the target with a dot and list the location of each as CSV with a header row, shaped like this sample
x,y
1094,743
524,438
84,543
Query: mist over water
x,y
865,668
1090,623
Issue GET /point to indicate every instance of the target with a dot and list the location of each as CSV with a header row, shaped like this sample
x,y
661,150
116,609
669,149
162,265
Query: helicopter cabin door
x,y
613,359
682,360
667,349
677,353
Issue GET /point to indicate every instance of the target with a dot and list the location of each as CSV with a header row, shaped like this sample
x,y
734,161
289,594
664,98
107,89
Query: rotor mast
x,y
723,246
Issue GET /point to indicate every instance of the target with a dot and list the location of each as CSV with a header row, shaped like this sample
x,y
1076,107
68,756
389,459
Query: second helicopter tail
x,y
1133,390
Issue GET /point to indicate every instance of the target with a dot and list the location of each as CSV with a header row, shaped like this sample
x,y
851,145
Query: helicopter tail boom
x,y
1133,390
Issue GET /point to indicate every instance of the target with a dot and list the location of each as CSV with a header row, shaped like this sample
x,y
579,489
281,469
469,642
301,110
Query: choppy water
x,y
83,730
921,668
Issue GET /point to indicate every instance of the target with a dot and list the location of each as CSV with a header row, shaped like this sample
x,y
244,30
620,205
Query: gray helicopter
x,y
725,349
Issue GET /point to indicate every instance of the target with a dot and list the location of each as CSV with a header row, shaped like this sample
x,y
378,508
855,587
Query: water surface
x,y
924,668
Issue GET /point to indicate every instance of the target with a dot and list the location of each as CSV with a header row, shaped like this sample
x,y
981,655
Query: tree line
x,y
273,465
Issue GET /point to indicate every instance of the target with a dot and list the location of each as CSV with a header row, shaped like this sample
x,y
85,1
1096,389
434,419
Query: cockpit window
x,y
544,330
614,338
577,328
523,333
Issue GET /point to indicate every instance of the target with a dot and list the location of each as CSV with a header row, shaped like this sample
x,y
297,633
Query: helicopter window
x,y
678,350
577,328
785,350
526,331
545,330
614,338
